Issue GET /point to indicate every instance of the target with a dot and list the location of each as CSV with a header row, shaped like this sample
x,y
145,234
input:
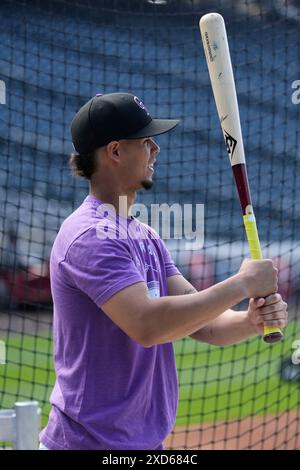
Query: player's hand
x,y
269,311
260,277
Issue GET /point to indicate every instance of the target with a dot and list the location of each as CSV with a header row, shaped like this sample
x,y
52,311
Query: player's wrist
x,y
242,283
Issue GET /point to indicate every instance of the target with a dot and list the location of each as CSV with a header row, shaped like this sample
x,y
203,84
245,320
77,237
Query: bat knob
x,y
273,337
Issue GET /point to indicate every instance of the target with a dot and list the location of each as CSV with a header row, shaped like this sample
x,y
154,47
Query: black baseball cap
x,y
114,116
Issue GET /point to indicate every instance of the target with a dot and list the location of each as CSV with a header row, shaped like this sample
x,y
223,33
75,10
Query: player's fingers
x,y
277,318
260,302
274,316
272,299
280,306
257,303
281,323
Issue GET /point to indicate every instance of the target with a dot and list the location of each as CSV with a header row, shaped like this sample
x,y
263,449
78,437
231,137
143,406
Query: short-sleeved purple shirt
x,y
110,392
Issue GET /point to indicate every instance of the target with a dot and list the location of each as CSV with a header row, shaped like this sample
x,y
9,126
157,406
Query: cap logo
x,y
140,104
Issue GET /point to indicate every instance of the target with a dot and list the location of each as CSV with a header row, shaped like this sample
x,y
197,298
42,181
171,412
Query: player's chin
x,y
147,183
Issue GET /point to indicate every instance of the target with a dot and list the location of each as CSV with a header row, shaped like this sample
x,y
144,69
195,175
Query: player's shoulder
x,y
85,231
149,231
153,236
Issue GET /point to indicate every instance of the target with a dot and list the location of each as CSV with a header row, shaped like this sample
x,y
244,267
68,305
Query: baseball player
x,y
119,300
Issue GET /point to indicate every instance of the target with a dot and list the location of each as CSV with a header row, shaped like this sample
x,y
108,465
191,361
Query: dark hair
x,y
83,164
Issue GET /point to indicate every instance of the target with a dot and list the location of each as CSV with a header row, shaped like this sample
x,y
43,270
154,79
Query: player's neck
x,y
120,199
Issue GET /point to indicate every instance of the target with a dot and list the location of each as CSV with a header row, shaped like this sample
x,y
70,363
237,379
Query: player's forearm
x,y
229,328
174,317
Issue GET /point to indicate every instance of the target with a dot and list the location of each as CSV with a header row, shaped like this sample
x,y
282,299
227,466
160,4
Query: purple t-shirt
x,y
110,392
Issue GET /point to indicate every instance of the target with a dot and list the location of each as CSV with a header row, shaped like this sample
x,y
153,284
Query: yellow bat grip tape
x,y
255,251
252,236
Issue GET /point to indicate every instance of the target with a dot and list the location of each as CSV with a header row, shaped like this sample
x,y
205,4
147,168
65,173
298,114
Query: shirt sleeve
x,y
101,267
170,267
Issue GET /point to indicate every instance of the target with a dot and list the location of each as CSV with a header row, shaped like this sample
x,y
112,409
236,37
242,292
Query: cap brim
x,y
155,127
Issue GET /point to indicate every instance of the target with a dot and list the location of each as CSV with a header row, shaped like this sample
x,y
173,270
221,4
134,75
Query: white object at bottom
x,y
42,447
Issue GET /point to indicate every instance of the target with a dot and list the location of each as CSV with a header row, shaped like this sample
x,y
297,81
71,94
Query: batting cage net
x,y
54,56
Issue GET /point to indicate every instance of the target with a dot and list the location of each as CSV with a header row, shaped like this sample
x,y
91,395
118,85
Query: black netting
x,y
55,55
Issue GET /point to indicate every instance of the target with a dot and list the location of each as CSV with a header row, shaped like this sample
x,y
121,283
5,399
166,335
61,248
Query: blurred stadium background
x,y
55,55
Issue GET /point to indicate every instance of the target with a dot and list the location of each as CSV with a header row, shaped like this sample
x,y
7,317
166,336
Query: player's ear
x,y
113,150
